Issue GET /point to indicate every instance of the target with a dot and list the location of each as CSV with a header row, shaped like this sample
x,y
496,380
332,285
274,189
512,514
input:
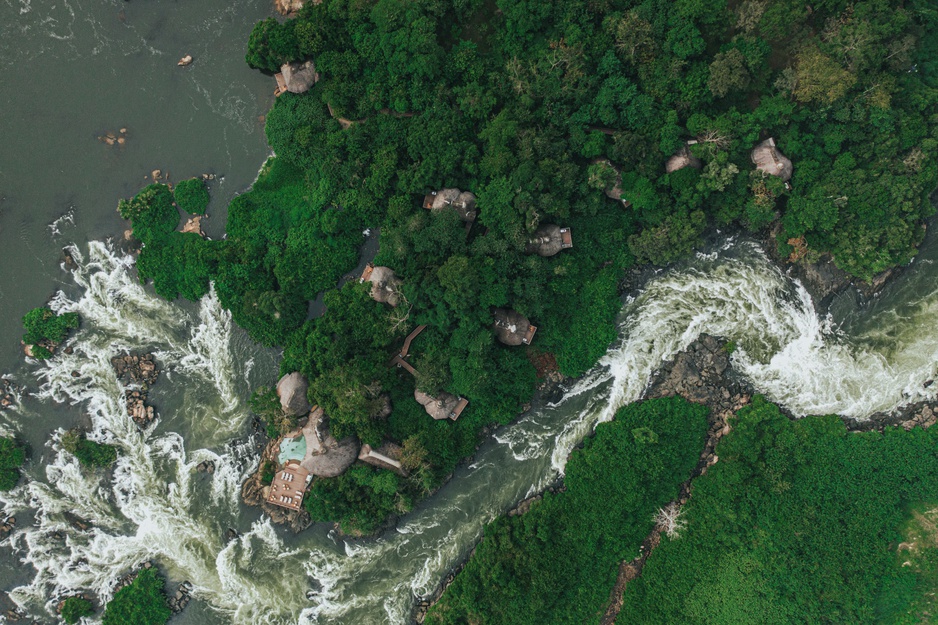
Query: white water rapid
x,y
157,507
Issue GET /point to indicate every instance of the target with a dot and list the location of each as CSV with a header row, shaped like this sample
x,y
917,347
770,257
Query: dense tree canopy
x,y
557,562
547,111
799,522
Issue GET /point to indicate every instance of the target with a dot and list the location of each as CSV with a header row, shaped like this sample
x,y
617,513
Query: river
x,y
116,61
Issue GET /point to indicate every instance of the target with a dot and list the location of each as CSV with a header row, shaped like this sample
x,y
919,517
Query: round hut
x,y
440,407
768,159
548,240
385,286
299,77
681,159
513,328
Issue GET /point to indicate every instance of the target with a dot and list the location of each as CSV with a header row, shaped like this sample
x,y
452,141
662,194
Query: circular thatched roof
x,y
546,241
510,326
385,286
299,77
767,158
681,159
439,407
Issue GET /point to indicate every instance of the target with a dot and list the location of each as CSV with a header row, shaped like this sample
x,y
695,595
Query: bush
x,y
12,457
42,326
76,607
191,196
89,453
140,603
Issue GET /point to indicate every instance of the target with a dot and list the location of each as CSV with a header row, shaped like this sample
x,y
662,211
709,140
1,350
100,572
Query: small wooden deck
x,y
400,362
529,335
463,402
566,238
289,486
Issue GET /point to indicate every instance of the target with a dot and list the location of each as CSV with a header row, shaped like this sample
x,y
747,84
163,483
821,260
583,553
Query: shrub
x,y
12,457
43,325
89,453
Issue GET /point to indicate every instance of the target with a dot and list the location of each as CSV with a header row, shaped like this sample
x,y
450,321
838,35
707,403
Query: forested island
x,y
518,158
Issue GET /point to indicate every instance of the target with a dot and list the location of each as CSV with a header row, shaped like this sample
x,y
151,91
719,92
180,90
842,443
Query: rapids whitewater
x,y
156,506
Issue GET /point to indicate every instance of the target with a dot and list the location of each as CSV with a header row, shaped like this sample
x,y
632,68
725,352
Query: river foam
x,y
157,506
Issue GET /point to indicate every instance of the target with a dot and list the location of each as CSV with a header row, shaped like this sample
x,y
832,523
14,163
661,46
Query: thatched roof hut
x,y
549,239
326,456
387,456
768,159
443,406
682,158
385,285
606,171
513,328
291,389
463,202
299,77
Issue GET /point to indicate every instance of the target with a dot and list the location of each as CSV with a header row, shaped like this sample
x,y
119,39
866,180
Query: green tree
x,y
12,457
74,608
728,73
142,602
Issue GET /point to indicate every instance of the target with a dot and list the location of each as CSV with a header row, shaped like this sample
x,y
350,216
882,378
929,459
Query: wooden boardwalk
x,y
398,360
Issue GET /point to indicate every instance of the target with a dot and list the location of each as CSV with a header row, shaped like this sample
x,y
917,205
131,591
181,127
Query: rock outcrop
x,y
137,370
179,600
325,455
7,526
194,225
289,7
7,393
291,389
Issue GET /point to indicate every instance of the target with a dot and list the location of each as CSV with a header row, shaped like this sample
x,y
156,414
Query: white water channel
x,y
158,507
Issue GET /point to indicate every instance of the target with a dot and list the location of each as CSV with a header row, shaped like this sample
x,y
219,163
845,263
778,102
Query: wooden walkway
x,y
398,360
410,339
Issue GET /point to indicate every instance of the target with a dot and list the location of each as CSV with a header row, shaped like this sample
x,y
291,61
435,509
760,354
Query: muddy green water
x,y
72,70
